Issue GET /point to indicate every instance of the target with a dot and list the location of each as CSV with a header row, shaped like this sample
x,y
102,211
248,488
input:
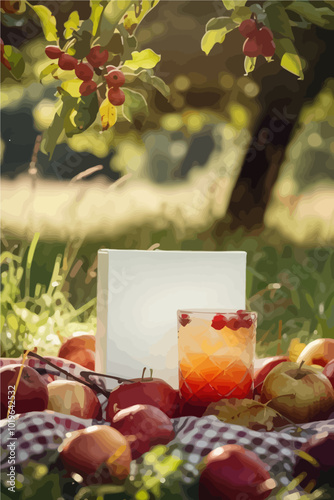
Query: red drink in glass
x,y
216,355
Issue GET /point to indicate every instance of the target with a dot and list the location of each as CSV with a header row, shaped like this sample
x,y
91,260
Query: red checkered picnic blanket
x,y
36,433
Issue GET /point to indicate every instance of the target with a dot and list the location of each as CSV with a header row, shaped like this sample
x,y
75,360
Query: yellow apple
x,y
300,393
317,352
72,398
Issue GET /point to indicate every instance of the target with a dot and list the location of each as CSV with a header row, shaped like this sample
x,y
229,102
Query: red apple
x,y
72,398
318,352
267,366
97,57
31,391
98,450
315,458
85,341
84,357
329,372
300,393
248,28
144,426
231,472
154,391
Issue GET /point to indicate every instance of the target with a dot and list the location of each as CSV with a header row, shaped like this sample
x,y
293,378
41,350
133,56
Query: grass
x,y
49,291
41,315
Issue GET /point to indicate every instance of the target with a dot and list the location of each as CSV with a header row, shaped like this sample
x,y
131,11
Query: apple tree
x,y
268,29
95,60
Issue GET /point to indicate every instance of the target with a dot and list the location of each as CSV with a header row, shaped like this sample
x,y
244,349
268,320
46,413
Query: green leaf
x,y
83,39
278,20
49,69
310,300
240,14
155,81
230,4
95,16
16,61
290,60
160,85
71,24
135,106
111,16
249,64
52,134
321,16
145,59
72,87
48,22
129,45
82,116
137,12
216,30
260,13
218,23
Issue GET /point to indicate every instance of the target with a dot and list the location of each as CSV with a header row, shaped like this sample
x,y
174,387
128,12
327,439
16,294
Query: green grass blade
x,y
30,258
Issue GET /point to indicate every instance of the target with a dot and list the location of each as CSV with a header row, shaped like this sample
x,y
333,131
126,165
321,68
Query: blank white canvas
x,y
138,295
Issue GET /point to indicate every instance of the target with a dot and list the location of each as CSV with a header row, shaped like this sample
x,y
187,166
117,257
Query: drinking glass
x,y
216,354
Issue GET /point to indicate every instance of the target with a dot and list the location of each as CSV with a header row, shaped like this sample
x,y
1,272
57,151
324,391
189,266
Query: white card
x,y
138,295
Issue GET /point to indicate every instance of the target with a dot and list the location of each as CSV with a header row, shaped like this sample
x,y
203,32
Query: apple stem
x,y
301,364
147,378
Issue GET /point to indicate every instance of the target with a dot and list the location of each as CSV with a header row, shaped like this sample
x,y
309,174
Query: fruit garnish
x,y
218,322
184,319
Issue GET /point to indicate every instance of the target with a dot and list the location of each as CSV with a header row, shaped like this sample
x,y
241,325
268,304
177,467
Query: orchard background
x,y
216,147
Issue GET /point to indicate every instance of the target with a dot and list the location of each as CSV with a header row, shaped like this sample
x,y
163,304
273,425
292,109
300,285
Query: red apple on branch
x,y
300,393
31,390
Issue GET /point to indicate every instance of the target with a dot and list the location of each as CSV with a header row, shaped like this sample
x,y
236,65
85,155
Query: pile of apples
x,y
302,391
139,412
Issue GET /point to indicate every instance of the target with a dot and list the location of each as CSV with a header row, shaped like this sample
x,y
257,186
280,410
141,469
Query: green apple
x,y
300,393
